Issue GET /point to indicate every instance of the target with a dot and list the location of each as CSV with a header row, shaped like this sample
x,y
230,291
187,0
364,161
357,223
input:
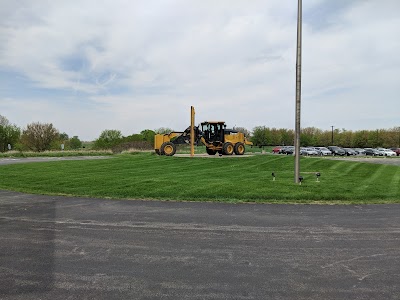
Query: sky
x,y
130,65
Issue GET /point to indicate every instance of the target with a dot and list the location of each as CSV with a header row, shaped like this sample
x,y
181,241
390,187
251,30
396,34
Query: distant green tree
x,y
324,138
9,134
275,136
63,137
148,135
108,139
374,138
287,136
360,139
309,136
347,138
74,143
390,137
259,136
133,138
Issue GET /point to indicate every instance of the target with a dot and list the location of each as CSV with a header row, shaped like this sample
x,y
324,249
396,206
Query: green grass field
x,y
66,153
231,179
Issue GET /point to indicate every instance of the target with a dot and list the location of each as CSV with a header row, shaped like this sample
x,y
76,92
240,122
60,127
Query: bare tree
x,y
163,130
4,121
246,132
38,136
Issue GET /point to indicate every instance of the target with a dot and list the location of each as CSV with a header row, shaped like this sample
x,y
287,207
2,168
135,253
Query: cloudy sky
x,y
90,65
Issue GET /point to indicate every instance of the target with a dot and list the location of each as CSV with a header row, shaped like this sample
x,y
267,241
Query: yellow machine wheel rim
x,y
168,149
229,149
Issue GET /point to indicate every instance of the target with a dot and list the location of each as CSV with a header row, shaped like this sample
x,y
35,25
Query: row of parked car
x,y
334,150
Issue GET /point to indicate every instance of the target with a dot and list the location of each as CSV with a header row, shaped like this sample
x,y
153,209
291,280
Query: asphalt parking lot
x,y
72,248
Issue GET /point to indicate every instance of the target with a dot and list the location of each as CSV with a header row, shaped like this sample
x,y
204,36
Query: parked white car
x,y
387,152
381,151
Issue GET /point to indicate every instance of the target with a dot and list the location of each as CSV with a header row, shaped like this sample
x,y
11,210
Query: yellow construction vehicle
x,y
213,134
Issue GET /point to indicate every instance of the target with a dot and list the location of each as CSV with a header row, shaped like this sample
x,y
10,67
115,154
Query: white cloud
x,y
143,63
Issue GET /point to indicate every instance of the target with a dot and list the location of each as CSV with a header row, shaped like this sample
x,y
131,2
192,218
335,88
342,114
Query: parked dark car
x,y
372,152
349,151
282,150
289,150
359,151
396,150
337,150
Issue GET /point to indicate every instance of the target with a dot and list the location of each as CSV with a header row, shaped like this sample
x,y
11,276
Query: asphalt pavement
x,y
73,248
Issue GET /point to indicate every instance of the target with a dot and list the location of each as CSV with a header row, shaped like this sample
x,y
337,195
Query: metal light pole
x,y
332,135
298,96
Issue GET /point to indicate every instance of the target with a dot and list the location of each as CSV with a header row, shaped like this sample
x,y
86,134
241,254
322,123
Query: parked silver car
x,y
308,151
323,151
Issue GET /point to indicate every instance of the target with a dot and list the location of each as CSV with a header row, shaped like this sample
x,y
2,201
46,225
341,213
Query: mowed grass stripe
x,y
147,176
394,186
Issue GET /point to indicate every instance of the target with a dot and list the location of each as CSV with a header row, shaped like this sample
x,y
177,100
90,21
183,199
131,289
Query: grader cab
x,y
213,134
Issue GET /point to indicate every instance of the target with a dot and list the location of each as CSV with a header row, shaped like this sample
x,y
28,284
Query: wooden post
x,y
192,113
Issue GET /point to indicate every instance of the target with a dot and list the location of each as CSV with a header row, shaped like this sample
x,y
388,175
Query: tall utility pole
x,y
332,135
298,97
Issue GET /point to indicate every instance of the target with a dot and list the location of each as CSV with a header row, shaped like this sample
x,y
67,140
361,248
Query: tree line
x,y
35,137
39,137
44,136
312,136
114,140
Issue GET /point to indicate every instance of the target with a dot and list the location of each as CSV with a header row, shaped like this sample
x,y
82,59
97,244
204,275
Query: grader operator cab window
x,y
213,132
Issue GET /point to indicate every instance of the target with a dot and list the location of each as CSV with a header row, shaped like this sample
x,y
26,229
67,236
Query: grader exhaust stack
x,y
213,134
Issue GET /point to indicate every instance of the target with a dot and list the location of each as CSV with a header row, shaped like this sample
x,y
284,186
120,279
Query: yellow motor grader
x,y
213,134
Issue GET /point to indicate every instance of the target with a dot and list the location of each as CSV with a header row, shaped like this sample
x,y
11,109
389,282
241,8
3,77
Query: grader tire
x,y
228,148
168,149
239,149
